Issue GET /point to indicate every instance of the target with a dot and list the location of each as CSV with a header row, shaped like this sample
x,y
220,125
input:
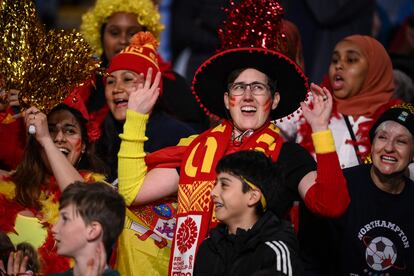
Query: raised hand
x,y
318,117
143,99
14,97
39,120
9,98
16,264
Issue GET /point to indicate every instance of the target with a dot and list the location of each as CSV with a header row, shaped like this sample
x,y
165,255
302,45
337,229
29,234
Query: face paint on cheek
x,y
78,145
232,101
267,105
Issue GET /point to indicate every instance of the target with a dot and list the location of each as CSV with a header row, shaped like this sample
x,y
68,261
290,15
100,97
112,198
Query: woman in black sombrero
x,y
257,85
246,87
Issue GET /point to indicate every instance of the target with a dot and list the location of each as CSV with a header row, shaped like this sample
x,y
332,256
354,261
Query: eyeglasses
x,y
256,88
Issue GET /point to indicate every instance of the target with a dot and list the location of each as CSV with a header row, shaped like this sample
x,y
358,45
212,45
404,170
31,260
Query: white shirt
x,y
346,152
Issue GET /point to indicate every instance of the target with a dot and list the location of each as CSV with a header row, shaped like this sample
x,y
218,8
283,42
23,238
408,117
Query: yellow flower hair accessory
x,y
92,21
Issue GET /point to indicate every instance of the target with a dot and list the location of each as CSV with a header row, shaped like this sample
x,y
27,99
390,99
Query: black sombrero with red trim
x,y
210,80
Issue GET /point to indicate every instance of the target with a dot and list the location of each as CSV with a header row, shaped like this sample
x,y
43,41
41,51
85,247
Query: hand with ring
x,y
31,116
319,115
36,123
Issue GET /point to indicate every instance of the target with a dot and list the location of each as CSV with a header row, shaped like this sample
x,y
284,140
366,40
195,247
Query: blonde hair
x,y
92,21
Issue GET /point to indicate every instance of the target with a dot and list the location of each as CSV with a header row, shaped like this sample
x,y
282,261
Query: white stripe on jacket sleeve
x,y
283,262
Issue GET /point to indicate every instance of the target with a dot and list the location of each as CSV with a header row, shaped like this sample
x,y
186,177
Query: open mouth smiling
x,y
64,151
248,109
120,102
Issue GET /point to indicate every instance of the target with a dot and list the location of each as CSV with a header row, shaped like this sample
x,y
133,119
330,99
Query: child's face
x,y
119,29
70,232
231,205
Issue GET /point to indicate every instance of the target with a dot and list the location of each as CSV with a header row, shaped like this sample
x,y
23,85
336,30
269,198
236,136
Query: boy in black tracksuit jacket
x,y
250,239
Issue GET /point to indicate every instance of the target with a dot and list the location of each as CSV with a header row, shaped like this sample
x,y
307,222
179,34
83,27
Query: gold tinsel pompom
x,y
44,66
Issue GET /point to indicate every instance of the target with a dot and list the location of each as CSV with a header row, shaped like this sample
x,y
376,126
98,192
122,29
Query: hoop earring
x,y
80,157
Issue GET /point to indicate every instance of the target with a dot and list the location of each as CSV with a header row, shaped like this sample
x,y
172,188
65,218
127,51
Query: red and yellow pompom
x,y
142,38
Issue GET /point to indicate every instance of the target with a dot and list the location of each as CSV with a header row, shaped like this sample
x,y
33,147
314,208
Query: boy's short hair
x,y
97,202
255,167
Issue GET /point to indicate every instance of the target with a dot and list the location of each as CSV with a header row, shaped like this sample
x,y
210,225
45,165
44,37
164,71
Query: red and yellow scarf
x,y
197,177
